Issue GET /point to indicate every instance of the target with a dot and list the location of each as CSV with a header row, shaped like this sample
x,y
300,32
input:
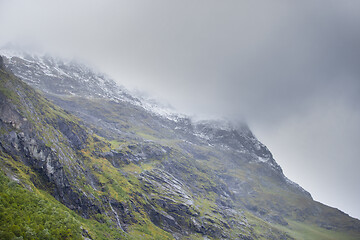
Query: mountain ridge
x,y
114,96
193,180
62,73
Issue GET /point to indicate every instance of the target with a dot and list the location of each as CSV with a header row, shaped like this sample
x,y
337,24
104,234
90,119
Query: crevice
x,y
116,216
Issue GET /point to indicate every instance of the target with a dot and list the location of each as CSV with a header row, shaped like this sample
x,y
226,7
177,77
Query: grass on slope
x,y
37,215
24,214
307,231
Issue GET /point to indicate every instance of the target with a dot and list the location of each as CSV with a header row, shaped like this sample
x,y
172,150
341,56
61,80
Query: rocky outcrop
x,y
53,157
1,63
170,204
23,146
135,153
172,207
76,135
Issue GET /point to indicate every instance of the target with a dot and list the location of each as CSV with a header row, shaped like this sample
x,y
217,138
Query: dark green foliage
x,y
25,215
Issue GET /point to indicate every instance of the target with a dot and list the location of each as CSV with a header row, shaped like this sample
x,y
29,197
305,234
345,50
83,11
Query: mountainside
x,y
113,166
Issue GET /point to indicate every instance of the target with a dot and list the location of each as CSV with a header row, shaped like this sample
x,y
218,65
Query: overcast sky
x,y
290,68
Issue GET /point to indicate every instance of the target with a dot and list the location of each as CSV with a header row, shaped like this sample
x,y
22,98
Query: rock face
x,y
1,63
142,174
170,204
48,158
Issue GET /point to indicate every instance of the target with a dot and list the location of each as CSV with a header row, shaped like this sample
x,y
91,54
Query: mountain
x,y
105,164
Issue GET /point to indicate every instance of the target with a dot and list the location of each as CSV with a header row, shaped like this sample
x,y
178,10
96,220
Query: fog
x,y
289,68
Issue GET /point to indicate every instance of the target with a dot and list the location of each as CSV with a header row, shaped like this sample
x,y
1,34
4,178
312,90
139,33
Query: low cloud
x,y
290,68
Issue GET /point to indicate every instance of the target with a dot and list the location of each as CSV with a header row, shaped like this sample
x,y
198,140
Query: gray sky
x,y
290,68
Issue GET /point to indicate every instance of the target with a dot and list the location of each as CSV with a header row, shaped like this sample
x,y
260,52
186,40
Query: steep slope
x,y
144,174
48,152
60,77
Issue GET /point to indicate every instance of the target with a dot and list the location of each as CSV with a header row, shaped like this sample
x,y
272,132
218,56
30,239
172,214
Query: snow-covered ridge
x,y
69,77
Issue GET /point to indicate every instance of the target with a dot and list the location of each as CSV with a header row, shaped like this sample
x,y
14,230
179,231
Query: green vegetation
x,y
25,214
37,215
309,231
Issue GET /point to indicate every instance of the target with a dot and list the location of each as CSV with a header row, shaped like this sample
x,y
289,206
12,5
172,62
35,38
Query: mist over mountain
x,y
290,69
189,120
113,165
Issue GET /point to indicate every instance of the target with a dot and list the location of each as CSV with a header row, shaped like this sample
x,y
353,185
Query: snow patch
x,y
262,159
